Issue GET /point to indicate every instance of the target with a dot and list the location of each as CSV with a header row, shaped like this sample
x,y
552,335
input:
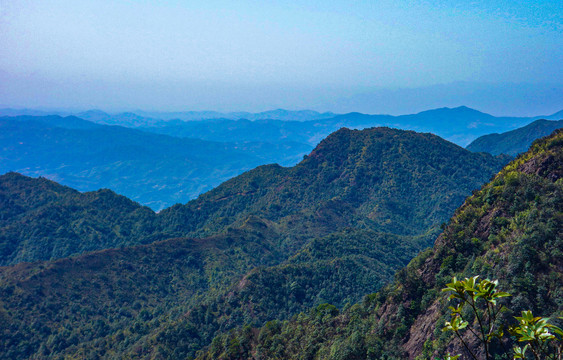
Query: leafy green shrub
x,y
542,339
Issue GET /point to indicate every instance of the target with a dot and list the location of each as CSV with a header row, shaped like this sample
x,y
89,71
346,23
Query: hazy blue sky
x,y
372,56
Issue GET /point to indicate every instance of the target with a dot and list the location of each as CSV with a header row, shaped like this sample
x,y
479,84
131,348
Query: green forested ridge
x,y
516,141
332,228
40,220
511,229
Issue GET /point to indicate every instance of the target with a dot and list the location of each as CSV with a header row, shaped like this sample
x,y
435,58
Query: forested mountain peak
x,y
15,181
511,230
376,142
378,176
36,192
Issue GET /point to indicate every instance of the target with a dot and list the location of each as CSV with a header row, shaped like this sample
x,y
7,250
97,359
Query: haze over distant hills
x,y
460,125
156,170
278,114
148,117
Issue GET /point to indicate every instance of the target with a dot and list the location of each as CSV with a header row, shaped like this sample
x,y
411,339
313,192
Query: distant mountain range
x,y
266,244
140,117
279,114
516,141
155,170
460,125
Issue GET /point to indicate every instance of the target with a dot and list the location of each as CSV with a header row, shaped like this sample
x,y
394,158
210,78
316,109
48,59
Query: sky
x,y
396,56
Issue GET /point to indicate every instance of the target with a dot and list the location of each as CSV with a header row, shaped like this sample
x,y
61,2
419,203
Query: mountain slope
x,y
338,269
338,198
511,230
516,141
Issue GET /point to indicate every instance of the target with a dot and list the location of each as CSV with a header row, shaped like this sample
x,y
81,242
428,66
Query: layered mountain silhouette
x,y
266,244
459,125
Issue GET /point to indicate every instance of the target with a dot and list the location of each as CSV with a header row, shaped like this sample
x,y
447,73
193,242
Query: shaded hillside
x,y
332,228
511,230
68,122
516,141
155,170
178,292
